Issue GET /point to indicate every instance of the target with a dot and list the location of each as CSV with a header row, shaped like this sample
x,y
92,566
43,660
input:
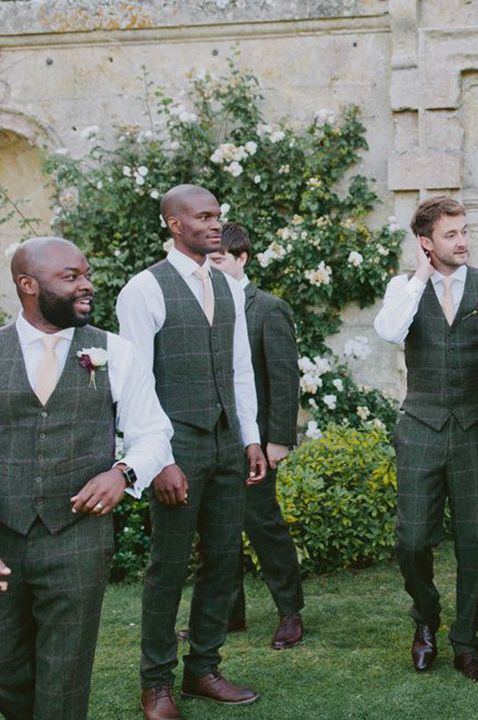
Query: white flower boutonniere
x,y
93,359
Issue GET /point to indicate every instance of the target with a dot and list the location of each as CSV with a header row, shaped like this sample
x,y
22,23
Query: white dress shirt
x,y
402,298
141,312
146,427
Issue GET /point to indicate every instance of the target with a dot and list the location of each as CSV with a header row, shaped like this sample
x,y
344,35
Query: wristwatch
x,y
128,474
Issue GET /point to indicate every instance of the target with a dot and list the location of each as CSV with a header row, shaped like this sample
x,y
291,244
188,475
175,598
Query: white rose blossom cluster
x,y
358,348
267,131
324,116
139,174
363,412
230,156
393,226
182,114
312,370
275,251
320,276
355,258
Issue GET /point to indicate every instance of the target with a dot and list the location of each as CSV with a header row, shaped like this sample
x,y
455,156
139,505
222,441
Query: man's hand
x,y
4,570
276,453
171,486
257,464
100,494
424,266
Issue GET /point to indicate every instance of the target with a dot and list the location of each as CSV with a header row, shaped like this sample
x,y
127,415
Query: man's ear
x,y
27,284
426,243
174,224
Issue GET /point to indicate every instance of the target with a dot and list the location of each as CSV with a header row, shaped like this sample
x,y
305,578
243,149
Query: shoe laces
x,y
163,689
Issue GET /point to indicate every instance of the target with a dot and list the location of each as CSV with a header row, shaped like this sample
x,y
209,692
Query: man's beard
x,y
60,312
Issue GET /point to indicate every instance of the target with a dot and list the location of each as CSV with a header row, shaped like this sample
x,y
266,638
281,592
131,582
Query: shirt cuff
x,y
250,434
144,475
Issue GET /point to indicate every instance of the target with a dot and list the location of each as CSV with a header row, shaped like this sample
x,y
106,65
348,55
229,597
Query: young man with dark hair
x,y
434,311
274,357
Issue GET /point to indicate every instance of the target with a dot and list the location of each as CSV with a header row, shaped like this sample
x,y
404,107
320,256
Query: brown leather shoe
x,y
467,663
158,703
215,687
288,633
424,647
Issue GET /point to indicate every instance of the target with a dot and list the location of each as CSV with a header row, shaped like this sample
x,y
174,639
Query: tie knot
x,y
202,272
447,281
50,341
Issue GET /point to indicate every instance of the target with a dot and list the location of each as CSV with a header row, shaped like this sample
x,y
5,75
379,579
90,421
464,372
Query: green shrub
x,y
338,495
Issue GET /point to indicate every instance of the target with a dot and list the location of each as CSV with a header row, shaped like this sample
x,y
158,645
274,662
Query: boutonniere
x,y
471,314
93,359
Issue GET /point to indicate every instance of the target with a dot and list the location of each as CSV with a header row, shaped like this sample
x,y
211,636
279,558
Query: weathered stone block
x,y
424,169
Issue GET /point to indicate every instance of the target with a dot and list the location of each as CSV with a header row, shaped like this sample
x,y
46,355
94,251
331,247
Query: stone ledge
x,y
44,16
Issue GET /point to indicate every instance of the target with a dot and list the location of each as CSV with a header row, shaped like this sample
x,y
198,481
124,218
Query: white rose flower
x,y
320,276
98,356
168,244
363,412
126,171
62,151
251,147
277,136
330,401
142,170
224,208
313,431
257,179
99,185
338,384
234,168
355,258
154,194
139,179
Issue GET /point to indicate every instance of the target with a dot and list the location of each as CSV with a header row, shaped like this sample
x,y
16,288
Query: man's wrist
x,y
129,475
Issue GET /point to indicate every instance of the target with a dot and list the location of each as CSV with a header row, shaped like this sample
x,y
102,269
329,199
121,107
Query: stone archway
x,y
22,178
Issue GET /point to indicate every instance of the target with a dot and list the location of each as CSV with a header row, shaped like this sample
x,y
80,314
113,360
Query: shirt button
x,y
42,436
218,405
41,458
44,414
38,480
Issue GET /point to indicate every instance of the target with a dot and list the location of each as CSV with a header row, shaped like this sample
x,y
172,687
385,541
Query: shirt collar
x,y
29,334
459,275
244,282
184,264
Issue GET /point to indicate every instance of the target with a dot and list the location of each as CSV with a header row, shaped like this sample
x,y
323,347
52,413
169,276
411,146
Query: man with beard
x,y
434,310
188,320
62,384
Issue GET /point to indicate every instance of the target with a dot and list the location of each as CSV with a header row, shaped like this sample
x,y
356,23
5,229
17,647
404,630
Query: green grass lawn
x,y
354,662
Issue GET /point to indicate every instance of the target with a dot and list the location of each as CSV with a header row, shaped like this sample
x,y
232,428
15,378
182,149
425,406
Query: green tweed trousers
x,y
214,465
49,617
271,540
433,465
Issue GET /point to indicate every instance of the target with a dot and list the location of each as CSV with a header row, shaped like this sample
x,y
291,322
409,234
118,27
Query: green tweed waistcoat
x,y
193,361
48,453
442,360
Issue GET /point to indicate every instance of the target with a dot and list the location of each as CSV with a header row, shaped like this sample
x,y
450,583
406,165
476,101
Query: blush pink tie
x,y
208,303
447,300
48,369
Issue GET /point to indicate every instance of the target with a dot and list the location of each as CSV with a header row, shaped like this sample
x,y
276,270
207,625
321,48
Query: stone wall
x,y
411,65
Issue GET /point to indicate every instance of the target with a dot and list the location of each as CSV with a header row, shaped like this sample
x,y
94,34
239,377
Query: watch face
x,y
130,476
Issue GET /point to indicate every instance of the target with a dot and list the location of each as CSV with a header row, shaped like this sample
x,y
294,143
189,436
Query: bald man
x,y
63,384
188,321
